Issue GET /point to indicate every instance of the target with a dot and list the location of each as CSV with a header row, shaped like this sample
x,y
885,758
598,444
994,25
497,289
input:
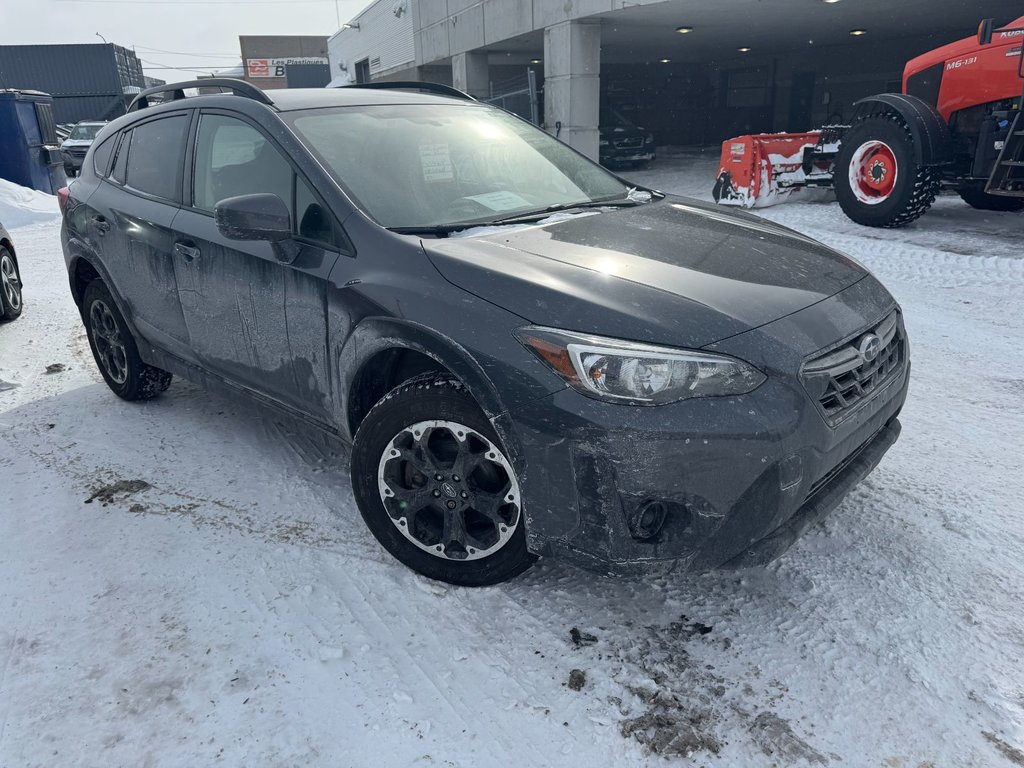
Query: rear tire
x,y
878,181
11,296
114,348
976,197
466,528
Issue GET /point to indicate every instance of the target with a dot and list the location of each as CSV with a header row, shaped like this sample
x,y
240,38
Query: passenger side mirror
x,y
254,217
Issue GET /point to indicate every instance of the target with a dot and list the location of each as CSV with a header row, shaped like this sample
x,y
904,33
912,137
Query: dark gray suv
x,y
529,355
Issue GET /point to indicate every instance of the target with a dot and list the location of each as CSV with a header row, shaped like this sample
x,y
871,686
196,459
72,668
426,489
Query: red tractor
x,y
957,124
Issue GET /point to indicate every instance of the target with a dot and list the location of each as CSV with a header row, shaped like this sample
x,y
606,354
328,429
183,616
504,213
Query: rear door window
x,y
121,161
155,156
101,155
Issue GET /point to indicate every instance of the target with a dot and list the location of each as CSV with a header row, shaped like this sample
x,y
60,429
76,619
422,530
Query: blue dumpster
x,y
29,151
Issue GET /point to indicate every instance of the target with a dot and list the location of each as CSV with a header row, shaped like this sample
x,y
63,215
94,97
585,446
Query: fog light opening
x,y
648,519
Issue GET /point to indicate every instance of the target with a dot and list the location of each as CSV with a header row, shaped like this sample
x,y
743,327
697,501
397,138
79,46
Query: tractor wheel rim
x,y
110,347
873,172
10,282
449,490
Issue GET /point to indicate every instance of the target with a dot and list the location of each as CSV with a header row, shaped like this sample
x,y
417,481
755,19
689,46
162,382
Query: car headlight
x,y
641,374
602,142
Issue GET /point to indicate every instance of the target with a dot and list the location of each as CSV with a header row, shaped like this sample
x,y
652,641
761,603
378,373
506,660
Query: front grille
x,y
637,143
77,152
843,378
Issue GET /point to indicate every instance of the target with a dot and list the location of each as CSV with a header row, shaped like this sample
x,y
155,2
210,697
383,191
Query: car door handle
x,y
187,252
101,224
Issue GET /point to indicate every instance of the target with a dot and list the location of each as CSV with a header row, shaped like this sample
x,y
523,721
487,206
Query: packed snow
x,y
21,206
187,581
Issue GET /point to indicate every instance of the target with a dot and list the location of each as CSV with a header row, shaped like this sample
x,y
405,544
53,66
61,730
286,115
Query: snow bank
x,y
21,206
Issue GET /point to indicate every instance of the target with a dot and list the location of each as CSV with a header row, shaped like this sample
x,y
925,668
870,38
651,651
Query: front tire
x,y
436,488
878,181
11,298
114,348
976,197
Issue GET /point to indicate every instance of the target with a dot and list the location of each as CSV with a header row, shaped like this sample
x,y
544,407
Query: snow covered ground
x,y
187,581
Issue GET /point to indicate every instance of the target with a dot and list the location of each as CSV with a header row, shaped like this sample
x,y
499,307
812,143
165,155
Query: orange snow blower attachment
x,y
758,171
958,123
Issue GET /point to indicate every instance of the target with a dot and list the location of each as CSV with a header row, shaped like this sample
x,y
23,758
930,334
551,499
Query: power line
x,y
189,53
158,65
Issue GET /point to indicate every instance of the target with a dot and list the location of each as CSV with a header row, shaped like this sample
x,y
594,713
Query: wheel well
x,y
10,247
932,144
382,373
84,274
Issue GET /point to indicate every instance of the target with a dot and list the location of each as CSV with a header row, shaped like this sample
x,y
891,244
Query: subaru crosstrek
x,y
530,356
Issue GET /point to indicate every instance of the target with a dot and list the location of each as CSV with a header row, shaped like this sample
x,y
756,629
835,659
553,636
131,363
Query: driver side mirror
x,y
254,217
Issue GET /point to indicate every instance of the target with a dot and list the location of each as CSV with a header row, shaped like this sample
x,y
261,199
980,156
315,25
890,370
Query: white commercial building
x,y
691,72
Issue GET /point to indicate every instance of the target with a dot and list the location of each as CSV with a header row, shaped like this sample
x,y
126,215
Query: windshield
x,y
612,118
413,166
84,132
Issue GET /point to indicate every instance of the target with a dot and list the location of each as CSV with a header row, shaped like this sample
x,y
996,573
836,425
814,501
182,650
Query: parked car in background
x,y
74,148
10,278
640,381
623,144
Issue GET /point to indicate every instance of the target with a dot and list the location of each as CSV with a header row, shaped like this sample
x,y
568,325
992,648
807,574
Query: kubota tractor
x,y
957,124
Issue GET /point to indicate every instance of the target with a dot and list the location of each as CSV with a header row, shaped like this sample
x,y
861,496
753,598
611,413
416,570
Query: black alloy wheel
x,y
114,348
436,488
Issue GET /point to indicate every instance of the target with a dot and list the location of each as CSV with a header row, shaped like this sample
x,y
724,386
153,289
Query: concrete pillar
x,y
572,83
470,73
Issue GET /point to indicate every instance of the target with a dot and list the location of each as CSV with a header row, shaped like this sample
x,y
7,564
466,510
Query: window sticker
x,y
437,162
501,201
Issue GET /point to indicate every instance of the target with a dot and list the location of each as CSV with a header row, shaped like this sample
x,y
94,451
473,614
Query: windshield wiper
x,y
443,230
529,216
437,230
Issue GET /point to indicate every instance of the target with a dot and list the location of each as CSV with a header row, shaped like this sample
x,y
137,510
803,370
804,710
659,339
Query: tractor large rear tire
x,y
878,181
976,197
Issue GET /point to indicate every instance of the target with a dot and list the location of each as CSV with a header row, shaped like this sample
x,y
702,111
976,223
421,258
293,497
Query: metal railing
x,y
518,95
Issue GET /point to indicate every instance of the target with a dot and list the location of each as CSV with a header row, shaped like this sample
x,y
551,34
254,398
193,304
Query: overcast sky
x,y
195,34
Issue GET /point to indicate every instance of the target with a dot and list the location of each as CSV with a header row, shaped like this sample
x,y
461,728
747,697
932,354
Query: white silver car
x,y
77,144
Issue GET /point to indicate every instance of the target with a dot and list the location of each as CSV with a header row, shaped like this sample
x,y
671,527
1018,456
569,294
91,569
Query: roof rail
x,y
177,91
413,85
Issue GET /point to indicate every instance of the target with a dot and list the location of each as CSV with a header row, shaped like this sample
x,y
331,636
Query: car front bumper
x,y
733,481
736,478
72,160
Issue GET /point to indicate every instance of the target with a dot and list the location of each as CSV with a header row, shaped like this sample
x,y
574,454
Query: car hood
x,y
675,271
68,143
621,132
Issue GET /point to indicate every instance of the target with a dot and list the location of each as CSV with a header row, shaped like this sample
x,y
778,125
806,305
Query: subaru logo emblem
x,y
869,347
449,490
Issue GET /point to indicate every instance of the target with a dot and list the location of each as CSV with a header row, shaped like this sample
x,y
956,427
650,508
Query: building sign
x,y
278,67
